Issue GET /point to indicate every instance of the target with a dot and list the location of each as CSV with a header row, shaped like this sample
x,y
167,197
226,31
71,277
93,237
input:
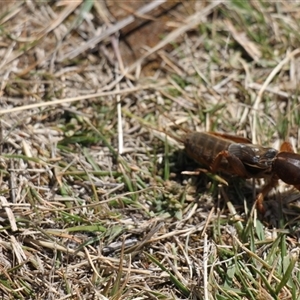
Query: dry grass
x,y
94,204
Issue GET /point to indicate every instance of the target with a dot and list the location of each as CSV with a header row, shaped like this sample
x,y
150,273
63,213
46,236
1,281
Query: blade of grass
x,y
185,291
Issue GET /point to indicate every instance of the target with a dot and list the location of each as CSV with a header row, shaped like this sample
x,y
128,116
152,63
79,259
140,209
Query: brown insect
x,y
238,156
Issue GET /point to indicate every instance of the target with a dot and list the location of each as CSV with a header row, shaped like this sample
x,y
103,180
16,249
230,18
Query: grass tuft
x,y
98,199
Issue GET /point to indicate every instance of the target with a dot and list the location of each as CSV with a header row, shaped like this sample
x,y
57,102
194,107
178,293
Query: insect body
x,y
237,156
229,154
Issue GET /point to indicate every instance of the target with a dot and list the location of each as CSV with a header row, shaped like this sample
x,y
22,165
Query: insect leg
x,y
234,162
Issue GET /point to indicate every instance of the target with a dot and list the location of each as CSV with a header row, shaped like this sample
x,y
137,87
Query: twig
x,y
263,88
205,261
9,213
73,99
192,21
111,30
